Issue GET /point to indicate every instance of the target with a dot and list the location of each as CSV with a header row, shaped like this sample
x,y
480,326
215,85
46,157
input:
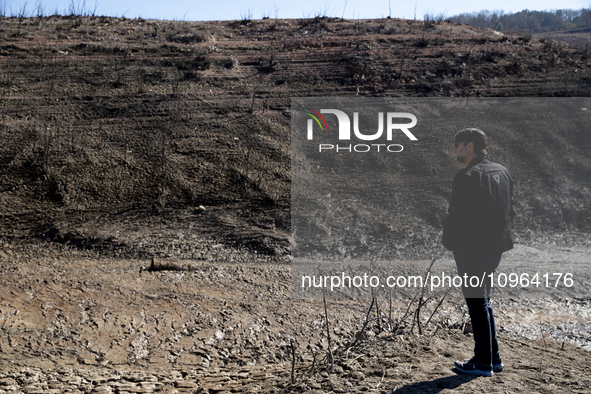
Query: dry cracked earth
x,y
128,142
76,322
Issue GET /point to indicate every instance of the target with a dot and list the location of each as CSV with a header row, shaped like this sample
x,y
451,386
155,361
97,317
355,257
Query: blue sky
x,y
194,10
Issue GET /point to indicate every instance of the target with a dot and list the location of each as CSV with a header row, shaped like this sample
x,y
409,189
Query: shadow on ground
x,y
436,385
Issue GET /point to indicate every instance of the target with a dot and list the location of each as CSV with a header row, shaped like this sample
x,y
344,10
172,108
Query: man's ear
x,y
470,146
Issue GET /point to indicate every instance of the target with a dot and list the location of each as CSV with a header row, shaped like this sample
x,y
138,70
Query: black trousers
x,y
477,294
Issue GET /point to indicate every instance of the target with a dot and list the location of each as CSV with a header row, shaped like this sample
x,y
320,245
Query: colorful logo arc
x,y
316,118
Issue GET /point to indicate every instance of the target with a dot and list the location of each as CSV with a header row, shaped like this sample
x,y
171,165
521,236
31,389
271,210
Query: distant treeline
x,y
532,21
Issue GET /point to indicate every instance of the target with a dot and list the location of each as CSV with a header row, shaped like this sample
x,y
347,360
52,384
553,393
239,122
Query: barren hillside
x,y
106,115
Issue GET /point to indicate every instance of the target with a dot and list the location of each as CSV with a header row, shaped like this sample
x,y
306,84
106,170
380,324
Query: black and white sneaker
x,y
471,367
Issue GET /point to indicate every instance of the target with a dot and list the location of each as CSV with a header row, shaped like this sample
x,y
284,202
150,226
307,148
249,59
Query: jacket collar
x,y
475,161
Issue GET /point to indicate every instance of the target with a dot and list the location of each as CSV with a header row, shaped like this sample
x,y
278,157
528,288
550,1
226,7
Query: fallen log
x,y
168,265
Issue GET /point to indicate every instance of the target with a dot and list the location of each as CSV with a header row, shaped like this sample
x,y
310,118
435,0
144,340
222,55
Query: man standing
x,y
478,231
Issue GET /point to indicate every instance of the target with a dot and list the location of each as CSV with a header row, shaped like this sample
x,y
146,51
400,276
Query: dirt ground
x,y
132,140
75,322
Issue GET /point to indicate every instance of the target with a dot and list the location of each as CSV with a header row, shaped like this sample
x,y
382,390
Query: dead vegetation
x,y
102,112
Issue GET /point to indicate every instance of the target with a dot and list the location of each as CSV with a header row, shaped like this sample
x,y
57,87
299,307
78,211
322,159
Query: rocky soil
x,y
131,140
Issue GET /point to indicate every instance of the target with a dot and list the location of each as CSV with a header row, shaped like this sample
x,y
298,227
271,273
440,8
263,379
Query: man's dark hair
x,y
475,136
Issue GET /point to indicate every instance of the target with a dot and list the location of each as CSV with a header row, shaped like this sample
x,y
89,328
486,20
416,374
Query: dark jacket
x,y
481,210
